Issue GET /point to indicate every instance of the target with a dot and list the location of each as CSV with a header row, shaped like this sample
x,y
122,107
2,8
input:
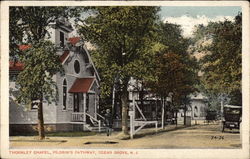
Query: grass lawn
x,y
70,134
61,134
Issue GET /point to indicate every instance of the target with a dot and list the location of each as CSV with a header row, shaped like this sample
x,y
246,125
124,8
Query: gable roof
x,y
16,66
24,47
64,56
81,85
74,40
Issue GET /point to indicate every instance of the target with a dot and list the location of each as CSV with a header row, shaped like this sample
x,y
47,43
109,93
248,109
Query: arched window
x,y
77,66
64,94
195,111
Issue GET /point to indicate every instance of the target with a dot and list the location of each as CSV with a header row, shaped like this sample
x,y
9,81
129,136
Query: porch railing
x,y
99,115
77,117
92,119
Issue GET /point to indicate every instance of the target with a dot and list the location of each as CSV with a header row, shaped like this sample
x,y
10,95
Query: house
x,y
151,105
77,106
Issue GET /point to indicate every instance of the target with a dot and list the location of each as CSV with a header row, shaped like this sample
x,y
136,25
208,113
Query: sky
x,y
188,16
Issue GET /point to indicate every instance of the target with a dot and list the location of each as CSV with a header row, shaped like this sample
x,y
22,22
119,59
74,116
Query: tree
x,y
173,76
121,37
35,81
28,25
175,71
221,62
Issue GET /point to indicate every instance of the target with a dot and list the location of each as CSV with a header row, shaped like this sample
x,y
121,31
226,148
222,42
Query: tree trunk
x,y
40,120
124,100
163,114
176,118
156,109
221,108
185,110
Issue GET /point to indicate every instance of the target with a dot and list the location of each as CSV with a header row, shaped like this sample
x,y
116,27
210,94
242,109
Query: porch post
x,y
84,107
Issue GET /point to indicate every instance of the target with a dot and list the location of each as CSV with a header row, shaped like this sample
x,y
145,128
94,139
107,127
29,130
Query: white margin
x,y
144,153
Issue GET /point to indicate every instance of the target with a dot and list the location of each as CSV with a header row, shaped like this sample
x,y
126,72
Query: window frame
x,y
77,70
62,38
34,106
64,94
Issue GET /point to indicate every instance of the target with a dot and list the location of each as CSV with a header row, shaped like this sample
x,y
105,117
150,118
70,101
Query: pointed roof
x,y
74,41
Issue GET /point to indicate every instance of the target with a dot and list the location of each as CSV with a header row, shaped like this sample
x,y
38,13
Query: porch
x,y
84,93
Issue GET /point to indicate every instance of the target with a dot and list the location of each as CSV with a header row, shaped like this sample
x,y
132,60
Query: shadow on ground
x,y
99,142
159,132
61,134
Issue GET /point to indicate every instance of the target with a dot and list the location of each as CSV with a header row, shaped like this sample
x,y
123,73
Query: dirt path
x,y
199,136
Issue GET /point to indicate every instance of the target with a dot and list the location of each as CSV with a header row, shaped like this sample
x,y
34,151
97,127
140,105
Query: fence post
x,y
131,114
99,125
156,126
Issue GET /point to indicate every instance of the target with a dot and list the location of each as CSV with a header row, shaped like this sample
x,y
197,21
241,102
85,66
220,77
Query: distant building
x,y
77,105
152,105
197,108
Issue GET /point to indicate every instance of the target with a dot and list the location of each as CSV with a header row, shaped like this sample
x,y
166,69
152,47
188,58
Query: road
x,y
198,136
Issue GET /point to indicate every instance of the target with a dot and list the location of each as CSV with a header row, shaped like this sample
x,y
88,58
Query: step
x,y
76,122
95,128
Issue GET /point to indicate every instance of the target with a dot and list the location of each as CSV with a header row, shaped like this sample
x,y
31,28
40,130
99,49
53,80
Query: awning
x,y
81,85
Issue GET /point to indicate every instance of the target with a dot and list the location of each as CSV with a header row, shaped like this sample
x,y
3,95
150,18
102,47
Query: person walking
x,y
108,122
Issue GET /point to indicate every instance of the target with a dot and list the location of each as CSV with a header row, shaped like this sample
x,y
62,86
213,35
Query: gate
x,y
141,123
